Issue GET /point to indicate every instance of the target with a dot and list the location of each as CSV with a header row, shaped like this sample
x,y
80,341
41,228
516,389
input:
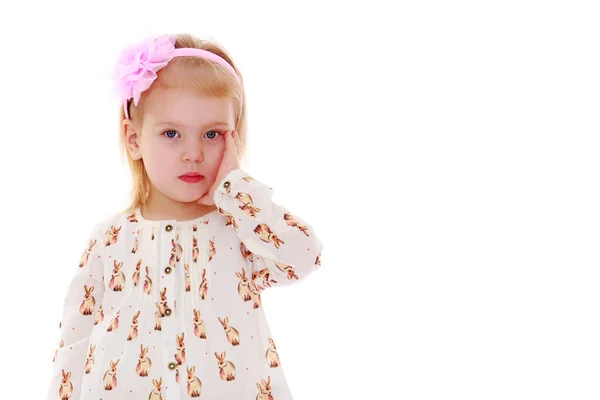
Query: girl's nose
x,y
193,153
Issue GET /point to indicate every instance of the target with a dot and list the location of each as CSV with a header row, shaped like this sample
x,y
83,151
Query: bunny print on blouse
x,y
171,309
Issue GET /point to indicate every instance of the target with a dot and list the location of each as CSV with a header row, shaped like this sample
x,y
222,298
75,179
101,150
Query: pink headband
x,y
137,67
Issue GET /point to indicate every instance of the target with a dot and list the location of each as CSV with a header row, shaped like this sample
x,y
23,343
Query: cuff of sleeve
x,y
228,183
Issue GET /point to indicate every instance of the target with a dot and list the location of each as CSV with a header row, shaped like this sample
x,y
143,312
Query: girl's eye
x,y
215,134
169,132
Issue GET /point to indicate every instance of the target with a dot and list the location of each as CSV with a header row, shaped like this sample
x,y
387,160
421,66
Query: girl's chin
x,y
188,197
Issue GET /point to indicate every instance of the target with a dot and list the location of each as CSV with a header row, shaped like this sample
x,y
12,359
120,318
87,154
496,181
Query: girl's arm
x,y
84,296
284,248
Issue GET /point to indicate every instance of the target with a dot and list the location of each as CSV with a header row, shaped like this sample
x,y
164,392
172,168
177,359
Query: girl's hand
x,y
229,162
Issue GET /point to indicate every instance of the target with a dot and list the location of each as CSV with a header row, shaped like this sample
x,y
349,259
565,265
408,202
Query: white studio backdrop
x,y
445,152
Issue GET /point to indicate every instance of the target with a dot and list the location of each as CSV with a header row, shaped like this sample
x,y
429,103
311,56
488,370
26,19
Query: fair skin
x,y
183,131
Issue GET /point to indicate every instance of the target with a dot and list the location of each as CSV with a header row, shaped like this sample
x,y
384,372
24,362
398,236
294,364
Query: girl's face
x,y
182,132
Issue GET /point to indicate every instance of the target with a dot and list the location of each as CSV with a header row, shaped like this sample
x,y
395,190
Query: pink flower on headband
x,y
137,67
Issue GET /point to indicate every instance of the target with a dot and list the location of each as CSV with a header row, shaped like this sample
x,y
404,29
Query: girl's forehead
x,y
187,107
173,101
162,94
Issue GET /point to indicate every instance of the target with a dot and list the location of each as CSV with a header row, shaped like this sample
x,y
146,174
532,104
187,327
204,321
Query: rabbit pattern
x,y
189,295
89,302
264,389
66,387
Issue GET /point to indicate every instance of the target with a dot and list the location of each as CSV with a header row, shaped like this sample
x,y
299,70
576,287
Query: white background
x,y
445,152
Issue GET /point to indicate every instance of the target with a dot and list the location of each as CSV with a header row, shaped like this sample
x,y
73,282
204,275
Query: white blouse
x,y
172,309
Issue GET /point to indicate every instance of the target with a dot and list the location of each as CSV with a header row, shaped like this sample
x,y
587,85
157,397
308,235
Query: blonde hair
x,y
208,78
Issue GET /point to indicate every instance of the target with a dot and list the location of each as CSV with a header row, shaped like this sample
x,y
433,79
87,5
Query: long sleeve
x,y
83,298
282,247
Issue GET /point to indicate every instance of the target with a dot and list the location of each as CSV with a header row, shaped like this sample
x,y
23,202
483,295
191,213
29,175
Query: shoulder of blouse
x,y
116,219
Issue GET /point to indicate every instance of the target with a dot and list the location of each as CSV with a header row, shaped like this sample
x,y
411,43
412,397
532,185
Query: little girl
x,y
166,300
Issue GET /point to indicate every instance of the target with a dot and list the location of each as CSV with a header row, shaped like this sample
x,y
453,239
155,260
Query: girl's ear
x,y
132,139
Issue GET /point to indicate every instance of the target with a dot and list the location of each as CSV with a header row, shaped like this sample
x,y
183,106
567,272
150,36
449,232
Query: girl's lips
x,y
191,178
191,174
